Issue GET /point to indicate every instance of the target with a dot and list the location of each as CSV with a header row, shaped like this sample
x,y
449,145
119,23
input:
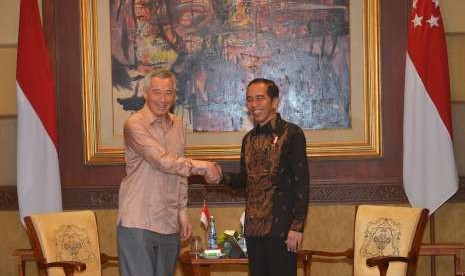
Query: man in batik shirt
x,y
274,172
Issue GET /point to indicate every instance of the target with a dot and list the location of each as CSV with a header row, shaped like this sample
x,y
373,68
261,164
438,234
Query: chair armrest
x,y
69,267
375,261
305,256
445,249
349,253
28,253
104,258
382,262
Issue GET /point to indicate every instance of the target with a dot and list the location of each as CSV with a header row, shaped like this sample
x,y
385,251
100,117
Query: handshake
x,y
211,171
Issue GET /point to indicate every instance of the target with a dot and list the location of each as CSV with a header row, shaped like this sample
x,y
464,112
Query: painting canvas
x,y
215,47
323,55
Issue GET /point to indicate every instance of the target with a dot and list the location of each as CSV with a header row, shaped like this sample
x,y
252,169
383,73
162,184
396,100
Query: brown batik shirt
x,y
274,171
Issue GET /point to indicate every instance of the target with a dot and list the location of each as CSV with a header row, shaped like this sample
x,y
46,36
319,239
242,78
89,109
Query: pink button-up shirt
x,y
155,186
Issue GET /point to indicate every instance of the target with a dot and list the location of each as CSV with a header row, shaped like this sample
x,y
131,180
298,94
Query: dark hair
x,y
271,87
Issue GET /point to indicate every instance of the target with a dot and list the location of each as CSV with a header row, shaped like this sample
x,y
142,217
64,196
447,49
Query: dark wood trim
x,y
8,116
321,193
8,45
48,22
8,198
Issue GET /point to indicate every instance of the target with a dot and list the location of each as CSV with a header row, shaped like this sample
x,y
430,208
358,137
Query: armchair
x,y
385,237
65,243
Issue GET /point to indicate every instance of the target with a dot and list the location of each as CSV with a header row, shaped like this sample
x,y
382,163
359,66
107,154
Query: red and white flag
x,y
204,216
430,174
38,175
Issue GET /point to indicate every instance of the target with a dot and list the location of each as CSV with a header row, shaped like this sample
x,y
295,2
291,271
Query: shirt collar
x,y
152,119
270,126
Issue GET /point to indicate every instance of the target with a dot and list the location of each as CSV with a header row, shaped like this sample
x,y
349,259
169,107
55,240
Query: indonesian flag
x,y
430,175
38,176
204,216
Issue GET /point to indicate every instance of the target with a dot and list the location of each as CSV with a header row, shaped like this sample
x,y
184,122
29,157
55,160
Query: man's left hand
x,y
293,241
186,227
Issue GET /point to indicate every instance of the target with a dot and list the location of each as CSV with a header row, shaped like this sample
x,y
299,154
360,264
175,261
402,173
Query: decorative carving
x,y
388,191
90,198
381,238
73,243
321,192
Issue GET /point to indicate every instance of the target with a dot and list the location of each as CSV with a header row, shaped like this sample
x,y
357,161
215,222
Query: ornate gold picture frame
x,y
103,141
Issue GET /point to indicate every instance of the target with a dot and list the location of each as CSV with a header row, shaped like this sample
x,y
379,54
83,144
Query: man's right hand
x,y
213,174
210,171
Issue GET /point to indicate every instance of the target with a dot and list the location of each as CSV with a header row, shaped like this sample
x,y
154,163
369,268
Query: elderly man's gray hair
x,y
161,73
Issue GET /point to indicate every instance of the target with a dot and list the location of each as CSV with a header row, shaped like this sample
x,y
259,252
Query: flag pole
x,y
432,238
205,232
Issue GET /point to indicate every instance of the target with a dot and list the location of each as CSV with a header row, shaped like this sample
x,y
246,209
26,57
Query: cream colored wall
x,y
455,34
452,11
9,21
456,52
8,151
327,228
7,79
9,18
8,38
458,111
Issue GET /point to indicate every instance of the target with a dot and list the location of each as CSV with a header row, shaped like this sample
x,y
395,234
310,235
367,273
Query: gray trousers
x,y
146,253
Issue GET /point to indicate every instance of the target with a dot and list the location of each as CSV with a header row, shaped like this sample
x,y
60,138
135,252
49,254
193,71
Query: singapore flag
x,y
430,174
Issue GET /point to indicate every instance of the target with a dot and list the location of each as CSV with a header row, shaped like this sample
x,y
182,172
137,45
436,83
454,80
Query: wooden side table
x,y
195,266
445,249
22,256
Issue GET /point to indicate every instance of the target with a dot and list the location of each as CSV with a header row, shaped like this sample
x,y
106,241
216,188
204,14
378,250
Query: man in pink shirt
x,y
152,215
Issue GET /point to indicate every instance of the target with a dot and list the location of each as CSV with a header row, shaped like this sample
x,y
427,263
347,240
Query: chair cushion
x,y
69,236
383,231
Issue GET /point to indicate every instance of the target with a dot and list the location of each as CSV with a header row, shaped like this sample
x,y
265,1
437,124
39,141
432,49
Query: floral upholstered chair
x,y
66,243
386,241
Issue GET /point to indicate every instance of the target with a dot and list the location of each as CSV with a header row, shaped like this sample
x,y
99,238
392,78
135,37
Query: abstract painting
x,y
215,47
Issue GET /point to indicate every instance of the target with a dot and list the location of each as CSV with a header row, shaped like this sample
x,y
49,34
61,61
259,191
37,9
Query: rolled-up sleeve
x,y
139,139
183,190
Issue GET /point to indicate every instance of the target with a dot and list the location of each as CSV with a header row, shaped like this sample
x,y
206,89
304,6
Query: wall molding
x,y
8,116
8,45
8,198
321,193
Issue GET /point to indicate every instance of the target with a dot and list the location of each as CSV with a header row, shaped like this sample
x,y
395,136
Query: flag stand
x,y
205,221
